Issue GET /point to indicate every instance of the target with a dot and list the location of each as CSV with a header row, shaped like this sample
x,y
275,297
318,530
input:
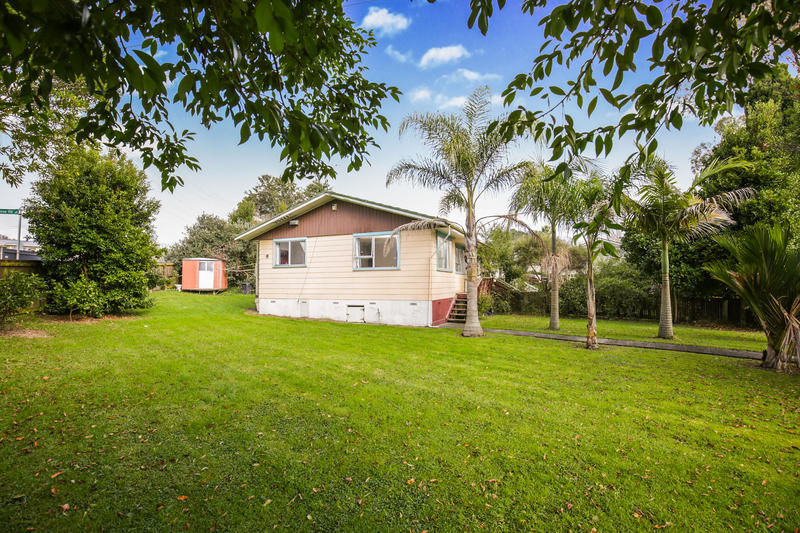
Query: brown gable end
x,y
348,218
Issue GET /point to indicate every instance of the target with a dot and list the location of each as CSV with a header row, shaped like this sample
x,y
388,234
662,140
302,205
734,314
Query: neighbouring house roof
x,y
323,199
6,242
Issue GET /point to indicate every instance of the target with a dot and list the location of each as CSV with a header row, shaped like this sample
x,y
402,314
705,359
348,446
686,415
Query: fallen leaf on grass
x,y
56,475
182,498
64,508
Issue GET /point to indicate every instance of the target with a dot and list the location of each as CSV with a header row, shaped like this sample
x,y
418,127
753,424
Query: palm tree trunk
x,y
591,324
665,320
554,322
472,327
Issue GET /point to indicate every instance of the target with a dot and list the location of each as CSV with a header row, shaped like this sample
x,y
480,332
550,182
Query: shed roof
x,y
201,259
321,200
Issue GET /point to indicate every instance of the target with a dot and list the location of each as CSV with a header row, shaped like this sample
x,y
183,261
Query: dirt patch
x,y
25,333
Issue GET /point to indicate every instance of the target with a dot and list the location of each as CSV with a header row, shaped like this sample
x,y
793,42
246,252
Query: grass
x,y
636,330
198,415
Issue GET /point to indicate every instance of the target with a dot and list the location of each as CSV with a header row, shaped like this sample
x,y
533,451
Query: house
x,y
336,257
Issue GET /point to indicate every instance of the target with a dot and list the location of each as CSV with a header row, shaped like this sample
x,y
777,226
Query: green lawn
x,y
636,330
197,415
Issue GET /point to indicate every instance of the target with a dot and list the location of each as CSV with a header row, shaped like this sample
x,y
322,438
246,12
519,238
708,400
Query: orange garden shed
x,y
203,274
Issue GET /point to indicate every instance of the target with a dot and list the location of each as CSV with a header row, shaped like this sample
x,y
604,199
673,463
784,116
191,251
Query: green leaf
x,y
592,105
244,132
653,15
264,20
676,119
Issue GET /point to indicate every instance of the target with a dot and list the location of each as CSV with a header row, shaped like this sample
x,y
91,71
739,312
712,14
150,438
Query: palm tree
x,y
541,193
669,214
595,220
467,160
766,276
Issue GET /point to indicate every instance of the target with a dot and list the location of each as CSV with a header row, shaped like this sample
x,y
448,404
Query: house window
x,y
206,266
444,252
461,260
290,252
375,251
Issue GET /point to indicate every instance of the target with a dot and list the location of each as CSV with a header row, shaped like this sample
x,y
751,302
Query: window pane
x,y
443,255
461,262
282,253
298,256
365,246
385,254
365,262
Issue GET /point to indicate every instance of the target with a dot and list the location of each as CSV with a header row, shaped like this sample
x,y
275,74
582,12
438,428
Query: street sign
x,y
9,211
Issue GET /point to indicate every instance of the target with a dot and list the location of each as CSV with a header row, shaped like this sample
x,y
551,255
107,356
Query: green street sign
x,y
9,211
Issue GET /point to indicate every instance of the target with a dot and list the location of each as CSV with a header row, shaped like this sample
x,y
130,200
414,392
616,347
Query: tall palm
x,y
542,194
466,161
596,218
766,275
669,214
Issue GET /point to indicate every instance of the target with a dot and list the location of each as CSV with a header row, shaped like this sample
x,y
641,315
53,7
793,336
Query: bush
x,y
484,303
572,296
18,291
83,296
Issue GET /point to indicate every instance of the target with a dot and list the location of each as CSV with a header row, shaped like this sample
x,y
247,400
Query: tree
x,y
273,195
286,71
542,193
767,135
36,138
702,59
93,219
766,275
595,221
467,160
213,236
670,215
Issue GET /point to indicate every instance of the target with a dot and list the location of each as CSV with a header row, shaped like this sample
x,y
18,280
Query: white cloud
x,y
442,55
421,94
160,53
384,22
398,55
471,75
497,100
455,101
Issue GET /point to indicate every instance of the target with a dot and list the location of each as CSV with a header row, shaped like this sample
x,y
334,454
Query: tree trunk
x,y
472,327
591,324
554,322
665,320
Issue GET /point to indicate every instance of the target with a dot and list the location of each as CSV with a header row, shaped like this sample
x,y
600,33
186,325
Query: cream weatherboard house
x,y
336,257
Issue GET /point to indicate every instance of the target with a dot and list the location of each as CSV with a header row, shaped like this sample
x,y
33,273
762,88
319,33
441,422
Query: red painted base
x,y
441,309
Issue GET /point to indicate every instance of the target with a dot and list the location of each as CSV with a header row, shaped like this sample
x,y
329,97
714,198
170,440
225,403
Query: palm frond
x,y
452,199
428,173
717,166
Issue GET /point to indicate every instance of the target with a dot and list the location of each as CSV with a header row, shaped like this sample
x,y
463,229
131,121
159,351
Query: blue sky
x,y
429,53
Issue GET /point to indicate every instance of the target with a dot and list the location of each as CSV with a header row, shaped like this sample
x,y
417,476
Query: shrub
x,y
572,296
18,291
484,303
82,296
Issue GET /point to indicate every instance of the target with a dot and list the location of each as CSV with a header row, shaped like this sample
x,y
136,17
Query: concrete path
x,y
707,350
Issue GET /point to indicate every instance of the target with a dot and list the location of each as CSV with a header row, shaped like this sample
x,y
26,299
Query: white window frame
x,y
277,253
379,234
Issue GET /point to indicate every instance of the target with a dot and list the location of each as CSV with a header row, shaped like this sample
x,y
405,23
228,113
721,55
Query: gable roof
x,y
322,199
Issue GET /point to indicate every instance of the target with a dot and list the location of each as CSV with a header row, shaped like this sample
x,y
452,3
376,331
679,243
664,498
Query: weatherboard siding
x,y
348,218
329,274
